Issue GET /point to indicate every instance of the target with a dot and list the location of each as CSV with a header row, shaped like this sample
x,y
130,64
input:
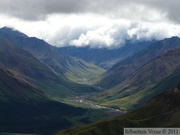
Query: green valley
x,y
161,111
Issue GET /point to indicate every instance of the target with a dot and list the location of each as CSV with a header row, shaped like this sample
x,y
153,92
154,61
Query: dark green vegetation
x,y
161,111
44,116
72,68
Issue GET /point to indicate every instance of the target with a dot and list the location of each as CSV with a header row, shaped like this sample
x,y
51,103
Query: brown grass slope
x,y
12,88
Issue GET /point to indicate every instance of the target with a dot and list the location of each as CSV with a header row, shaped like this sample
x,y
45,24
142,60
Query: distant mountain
x,y
72,68
161,111
104,57
145,83
126,67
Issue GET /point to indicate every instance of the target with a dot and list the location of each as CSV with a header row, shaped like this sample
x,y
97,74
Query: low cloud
x,y
99,23
114,35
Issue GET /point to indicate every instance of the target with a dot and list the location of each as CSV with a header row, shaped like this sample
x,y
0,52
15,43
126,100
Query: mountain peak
x,y
174,38
13,32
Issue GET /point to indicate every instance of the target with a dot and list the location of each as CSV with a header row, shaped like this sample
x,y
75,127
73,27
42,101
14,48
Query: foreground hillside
x,y
161,111
29,112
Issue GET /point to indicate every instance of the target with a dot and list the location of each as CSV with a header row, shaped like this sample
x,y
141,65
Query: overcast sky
x,y
101,23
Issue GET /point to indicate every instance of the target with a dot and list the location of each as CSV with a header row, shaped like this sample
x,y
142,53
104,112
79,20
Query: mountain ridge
x,y
120,71
72,68
105,57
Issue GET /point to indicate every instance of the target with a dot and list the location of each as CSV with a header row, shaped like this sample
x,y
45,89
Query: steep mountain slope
x,y
25,108
27,68
105,57
123,69
12,88
143,84
161,111
72,68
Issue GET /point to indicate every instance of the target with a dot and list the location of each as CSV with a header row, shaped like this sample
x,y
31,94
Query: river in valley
x,y
82,101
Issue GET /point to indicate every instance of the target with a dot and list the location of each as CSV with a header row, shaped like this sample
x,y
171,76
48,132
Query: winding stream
x,y
83,102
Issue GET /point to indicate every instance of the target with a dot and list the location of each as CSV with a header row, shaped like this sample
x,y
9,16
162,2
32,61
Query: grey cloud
x,y
170,7
39,9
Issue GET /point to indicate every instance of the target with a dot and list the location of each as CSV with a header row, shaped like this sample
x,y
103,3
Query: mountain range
x,y
38,82
121,70
144,83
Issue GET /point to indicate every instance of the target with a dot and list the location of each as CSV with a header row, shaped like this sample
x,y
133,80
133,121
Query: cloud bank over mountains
x,y
99,23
